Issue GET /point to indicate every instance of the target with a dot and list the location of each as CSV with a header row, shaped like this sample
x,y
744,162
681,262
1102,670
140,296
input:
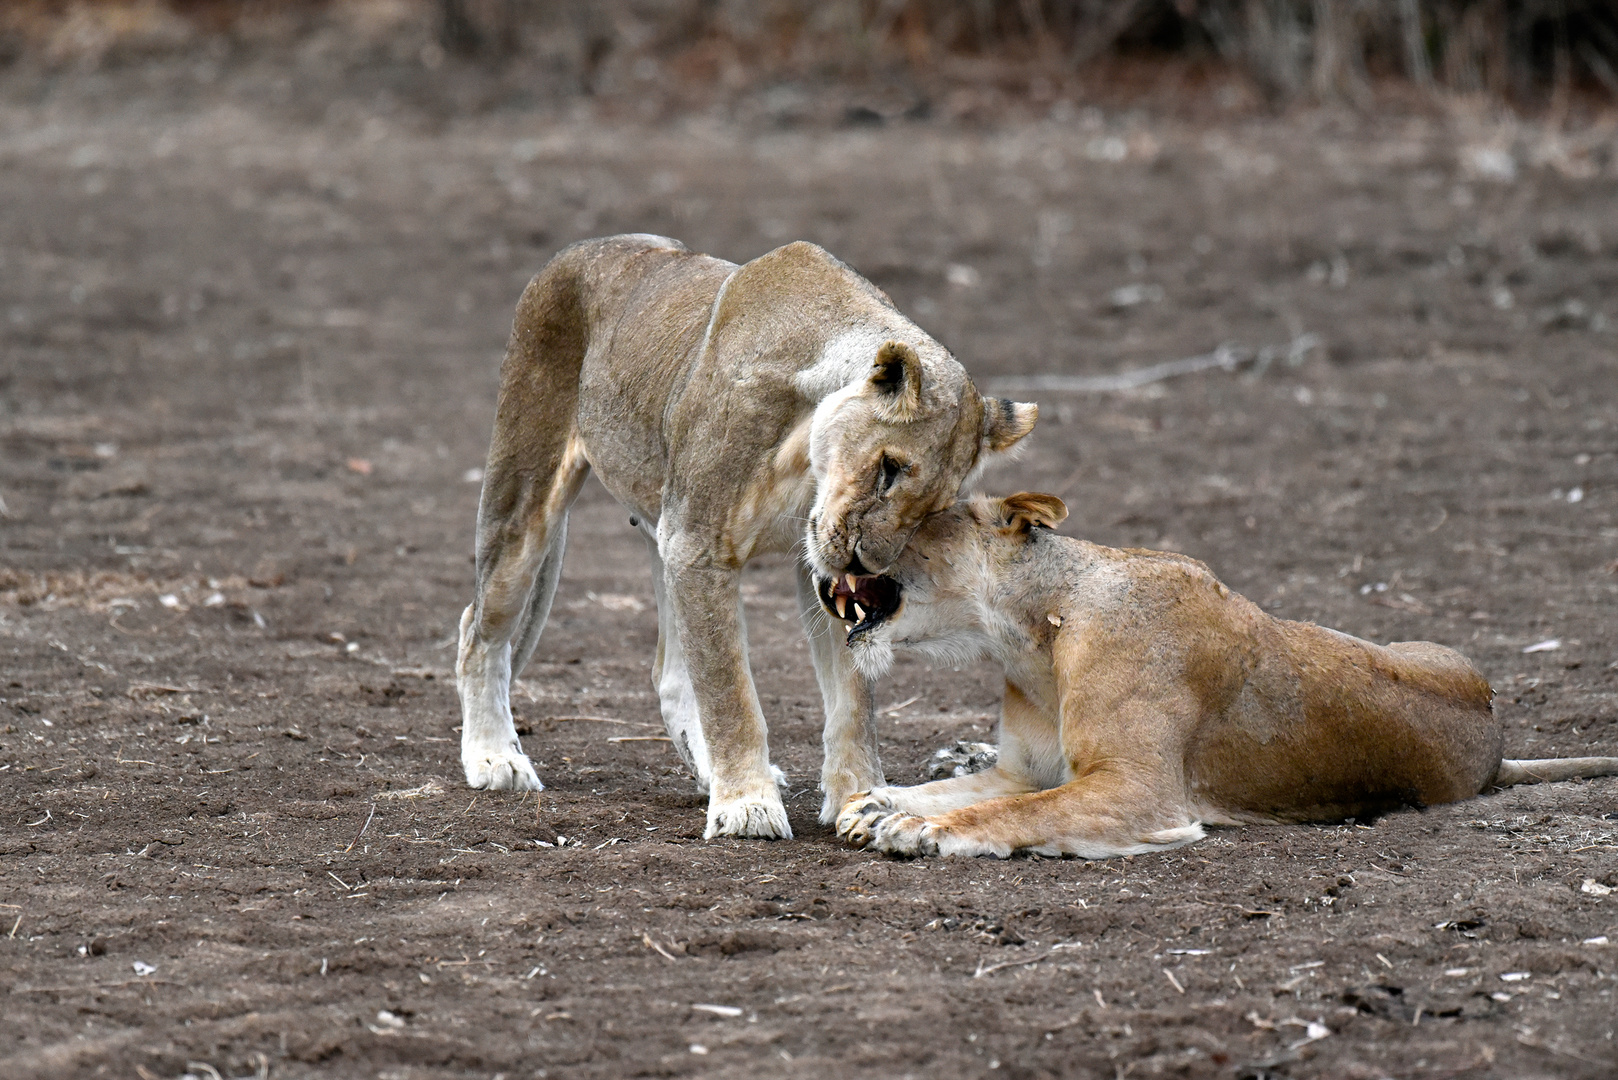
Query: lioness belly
x,y
1327,726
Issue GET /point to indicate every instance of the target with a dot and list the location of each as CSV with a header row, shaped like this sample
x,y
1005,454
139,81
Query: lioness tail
x,y
1546,770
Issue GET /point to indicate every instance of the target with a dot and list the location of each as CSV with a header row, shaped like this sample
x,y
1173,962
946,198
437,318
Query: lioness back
x,y
1345,727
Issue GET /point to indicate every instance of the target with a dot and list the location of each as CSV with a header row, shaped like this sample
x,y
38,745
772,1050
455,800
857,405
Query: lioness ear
x,y
1005,422
1026,509
897,374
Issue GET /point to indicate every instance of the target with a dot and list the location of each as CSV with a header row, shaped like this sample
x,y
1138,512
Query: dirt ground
x,y
248,355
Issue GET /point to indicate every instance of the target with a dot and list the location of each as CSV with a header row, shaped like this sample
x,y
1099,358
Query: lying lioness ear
x,y
1005,422
1026,509
897,374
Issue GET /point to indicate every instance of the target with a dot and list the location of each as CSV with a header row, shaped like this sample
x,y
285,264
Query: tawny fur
x,y
734,411
1145,699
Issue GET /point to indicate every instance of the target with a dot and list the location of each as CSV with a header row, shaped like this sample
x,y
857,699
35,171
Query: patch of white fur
x,y
681,719
954,647
872,655
844,361
942,796
954,845
1106,848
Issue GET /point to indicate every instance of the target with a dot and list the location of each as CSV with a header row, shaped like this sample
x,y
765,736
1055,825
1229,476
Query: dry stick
x,y
93,986
651,943
1225,356
361,833
1173,980
640,738
593,720
982,971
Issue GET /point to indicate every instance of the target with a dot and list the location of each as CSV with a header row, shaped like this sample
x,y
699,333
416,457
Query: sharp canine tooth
x,y
842,602
859,611
853,586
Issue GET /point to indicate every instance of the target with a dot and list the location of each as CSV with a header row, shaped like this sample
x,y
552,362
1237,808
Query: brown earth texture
x,y
248,356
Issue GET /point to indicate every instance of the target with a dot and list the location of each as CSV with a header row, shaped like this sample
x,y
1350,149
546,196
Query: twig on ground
x,y
361,833
139,690
651,943
640,738
1227,357
68,989
982,971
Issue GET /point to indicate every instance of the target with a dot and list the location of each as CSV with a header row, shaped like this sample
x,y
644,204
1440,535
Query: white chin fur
x,y
873,657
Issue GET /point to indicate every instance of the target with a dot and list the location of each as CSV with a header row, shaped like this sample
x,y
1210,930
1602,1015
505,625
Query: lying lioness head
x,y
1144,698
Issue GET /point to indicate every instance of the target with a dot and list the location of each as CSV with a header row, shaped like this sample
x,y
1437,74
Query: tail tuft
x,y
1548,770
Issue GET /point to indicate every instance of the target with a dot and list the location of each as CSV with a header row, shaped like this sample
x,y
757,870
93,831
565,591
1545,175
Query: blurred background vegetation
x,y
962,58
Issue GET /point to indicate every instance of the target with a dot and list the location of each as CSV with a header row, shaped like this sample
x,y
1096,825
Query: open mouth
x,y
861,602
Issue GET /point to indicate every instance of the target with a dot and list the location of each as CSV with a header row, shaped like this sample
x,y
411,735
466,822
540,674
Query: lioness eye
x,y
890,471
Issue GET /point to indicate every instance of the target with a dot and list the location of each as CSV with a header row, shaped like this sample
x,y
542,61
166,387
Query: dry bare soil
x,y
248,357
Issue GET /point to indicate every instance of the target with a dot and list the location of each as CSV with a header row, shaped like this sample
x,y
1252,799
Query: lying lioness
x,y
1144,698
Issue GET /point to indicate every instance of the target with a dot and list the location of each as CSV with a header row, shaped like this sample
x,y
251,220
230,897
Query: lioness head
x,y
891,448
932,598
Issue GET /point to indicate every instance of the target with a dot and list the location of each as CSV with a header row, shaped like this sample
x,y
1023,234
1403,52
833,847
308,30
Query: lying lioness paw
x,y
1144,699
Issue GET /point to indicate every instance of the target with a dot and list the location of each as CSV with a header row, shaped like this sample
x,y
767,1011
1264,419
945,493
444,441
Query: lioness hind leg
x,y
501,628
532,479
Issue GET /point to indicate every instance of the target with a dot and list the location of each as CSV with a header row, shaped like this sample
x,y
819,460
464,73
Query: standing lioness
x,y
1144,698
735,411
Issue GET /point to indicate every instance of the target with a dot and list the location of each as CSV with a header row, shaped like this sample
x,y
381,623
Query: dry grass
x,y
107,590
1527,51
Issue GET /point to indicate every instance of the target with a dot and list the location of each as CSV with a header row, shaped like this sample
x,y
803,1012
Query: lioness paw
x,y
859,808
501,770
843,785
890,831
762,817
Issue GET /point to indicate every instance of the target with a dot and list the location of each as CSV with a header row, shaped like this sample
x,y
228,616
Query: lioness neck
x,y
1020,612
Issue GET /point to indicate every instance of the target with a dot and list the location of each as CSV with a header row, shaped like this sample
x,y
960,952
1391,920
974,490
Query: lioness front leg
x,y
904,809
743,796
1096,816
852,762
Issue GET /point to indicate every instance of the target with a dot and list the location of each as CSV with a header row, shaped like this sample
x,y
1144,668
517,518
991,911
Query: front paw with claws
x,y
872,823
